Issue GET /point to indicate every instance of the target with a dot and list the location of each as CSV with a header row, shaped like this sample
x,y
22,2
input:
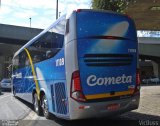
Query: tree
x,y
114,5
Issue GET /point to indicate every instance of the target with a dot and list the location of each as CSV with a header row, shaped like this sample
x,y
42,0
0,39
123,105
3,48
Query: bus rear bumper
x,y
100,109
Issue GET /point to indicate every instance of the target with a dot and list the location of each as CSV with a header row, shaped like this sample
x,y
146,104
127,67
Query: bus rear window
x,y
105,24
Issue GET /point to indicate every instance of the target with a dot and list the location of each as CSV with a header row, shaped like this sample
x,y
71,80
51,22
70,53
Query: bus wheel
x,y
46,112
36,103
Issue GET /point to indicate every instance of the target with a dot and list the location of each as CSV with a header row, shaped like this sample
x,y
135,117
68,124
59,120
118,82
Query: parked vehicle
x,y
5,84
146,81
151,80
155,80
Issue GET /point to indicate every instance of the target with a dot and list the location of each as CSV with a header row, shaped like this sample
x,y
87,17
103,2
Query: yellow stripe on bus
x,y
108,95
33,71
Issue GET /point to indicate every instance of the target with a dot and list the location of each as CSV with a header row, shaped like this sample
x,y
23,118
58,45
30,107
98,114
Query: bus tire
x,y
36,103
45,108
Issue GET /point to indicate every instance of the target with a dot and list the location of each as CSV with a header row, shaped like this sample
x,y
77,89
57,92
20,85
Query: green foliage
x,y
114,5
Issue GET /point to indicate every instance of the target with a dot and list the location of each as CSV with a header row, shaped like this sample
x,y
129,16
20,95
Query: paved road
x,y
11,108
149,107
15,109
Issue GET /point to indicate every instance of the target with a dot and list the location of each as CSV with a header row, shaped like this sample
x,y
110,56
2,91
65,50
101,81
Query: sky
x,y
41,12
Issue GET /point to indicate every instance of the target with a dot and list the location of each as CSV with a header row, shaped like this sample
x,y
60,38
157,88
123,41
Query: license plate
x,y
113,107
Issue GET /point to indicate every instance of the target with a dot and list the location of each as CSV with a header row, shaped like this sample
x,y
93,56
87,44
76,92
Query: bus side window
x,y
56,39
58,35
27,63
49,44
22,59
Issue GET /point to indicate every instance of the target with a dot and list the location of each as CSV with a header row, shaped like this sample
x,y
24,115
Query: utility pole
x,y
57,9
59,14
30,21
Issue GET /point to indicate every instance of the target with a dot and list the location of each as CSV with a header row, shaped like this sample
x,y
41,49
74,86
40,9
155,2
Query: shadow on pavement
x,y
139,116
26,103
129,119
150,84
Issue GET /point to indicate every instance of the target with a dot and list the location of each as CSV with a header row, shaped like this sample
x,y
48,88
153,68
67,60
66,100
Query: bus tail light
x,y
137,77
137,80
76,89
78,10
128,16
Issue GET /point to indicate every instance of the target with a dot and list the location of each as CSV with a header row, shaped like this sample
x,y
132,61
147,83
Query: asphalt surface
x,y
11,108
22,112
149,107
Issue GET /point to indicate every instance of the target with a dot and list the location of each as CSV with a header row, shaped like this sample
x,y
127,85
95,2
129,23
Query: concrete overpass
x,y
13,37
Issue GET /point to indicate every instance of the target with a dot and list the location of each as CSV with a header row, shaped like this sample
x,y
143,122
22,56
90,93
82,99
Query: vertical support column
x,y
159,69
0,71
2,65
156,69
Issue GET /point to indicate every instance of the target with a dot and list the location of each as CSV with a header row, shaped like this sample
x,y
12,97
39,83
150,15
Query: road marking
x,y
31,116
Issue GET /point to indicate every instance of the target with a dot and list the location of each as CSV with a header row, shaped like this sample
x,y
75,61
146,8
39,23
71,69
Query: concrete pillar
x,y
2,65
156,68
1,71
159,70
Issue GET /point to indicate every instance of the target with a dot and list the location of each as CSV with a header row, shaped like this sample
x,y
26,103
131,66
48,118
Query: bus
x,y
84,65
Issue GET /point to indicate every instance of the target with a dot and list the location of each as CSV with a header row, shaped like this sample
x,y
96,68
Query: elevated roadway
x,y
13,37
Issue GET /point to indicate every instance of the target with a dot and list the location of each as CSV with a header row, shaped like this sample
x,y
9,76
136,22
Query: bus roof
x,y
98,10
